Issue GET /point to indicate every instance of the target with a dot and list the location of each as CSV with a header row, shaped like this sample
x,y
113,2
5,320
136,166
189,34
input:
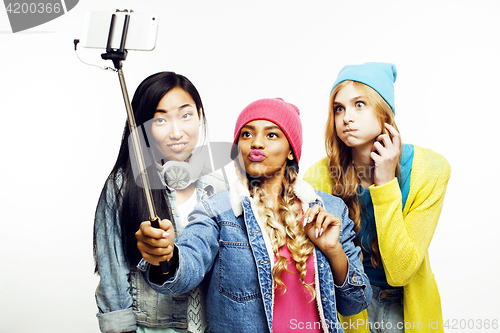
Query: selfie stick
x,y
117,56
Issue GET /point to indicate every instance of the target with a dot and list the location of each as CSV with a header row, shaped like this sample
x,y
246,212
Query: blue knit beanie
x,y
378,75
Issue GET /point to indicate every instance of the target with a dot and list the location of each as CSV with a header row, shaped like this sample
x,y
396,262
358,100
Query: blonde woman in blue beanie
x,y
395,194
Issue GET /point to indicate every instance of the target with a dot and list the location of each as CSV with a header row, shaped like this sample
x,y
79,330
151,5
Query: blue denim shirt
x,y
226,241
123,299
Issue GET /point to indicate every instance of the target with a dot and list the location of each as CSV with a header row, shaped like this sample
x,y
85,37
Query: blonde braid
x,y
285,227
274,228
299,244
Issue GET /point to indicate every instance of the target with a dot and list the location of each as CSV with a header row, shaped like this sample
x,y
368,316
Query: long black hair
x,y
133,208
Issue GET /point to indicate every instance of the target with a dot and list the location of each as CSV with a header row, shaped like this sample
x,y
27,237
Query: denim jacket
x,y
226,240
123,299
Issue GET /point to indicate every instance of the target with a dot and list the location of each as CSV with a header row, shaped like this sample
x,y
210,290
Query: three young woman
x,y
395,194
278,255
267,267
170,117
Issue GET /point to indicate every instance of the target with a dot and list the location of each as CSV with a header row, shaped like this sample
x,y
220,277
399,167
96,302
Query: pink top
x,y
294,311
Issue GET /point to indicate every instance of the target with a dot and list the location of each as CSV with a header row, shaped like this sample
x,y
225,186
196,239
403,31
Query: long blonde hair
x,y
344,175
283,226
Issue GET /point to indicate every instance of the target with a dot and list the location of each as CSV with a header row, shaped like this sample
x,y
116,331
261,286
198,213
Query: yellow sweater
x,y
404,235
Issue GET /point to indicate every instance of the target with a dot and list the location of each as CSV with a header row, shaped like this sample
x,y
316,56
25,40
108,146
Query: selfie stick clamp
x,y
117,56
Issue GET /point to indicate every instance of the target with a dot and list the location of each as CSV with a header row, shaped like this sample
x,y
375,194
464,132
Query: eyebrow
x,y
179,109
351,100
267,128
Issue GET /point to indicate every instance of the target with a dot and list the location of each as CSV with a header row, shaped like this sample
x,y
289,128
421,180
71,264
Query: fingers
x,y
156,244
386,148
166,225
155,255
383,143
154,250
147,230
156,260
324,220
310,214
376,158
396,138
317,217
386,141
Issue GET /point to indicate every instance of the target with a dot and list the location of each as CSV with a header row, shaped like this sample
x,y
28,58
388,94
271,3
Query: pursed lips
x,y
256,155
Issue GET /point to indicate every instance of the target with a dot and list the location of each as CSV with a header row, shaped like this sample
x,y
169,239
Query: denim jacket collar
x,y
301,188
205,187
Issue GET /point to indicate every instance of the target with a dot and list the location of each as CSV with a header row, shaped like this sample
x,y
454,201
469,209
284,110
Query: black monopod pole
x,y
117,56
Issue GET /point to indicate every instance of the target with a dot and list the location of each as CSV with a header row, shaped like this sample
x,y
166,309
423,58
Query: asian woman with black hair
x,y
171,120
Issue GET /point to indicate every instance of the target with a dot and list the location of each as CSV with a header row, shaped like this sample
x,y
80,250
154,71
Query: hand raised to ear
x,y
386,156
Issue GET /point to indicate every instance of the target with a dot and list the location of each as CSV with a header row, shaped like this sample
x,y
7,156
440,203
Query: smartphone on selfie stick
x,y
141,32
126,30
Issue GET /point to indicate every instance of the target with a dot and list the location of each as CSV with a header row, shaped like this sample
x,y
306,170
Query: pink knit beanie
x,y
276,110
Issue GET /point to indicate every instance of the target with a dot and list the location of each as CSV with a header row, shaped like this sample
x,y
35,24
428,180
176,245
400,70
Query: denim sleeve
x,y
112,294
355,294
198,246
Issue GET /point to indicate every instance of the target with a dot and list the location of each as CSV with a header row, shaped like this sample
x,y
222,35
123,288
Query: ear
x,y
290,155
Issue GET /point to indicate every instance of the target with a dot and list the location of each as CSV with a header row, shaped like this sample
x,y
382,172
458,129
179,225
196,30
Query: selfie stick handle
x,y
117,56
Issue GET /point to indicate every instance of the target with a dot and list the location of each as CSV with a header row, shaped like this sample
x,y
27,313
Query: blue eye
x,y
159,120
360,104
339,109
187,115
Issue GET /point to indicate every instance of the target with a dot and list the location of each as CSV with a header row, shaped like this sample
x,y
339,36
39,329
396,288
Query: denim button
x,y
354,279
325,299
322,265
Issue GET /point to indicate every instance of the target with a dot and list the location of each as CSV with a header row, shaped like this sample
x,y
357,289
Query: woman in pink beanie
x,y
276,254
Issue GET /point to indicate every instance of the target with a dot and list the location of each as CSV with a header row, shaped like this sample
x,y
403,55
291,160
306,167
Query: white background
x,y
62,123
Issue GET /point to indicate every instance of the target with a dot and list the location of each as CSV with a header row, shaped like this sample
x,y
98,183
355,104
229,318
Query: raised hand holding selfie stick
x,y
117,56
